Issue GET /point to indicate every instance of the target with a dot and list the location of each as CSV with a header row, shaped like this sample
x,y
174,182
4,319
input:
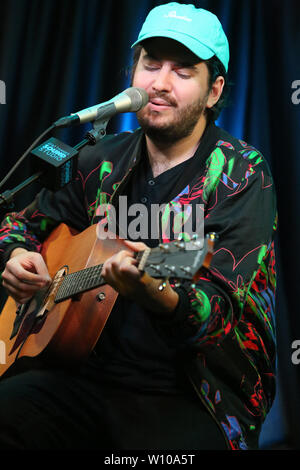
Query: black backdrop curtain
x,y
57,57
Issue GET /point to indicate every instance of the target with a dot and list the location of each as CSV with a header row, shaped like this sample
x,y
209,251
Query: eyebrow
x,y
182,64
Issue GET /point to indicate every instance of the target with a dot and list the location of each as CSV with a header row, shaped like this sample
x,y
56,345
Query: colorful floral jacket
x,y
224,324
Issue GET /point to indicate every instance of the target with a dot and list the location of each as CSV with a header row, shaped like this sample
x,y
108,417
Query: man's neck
x,y
163,156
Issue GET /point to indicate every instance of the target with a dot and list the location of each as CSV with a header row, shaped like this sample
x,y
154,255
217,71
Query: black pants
x,y
44,409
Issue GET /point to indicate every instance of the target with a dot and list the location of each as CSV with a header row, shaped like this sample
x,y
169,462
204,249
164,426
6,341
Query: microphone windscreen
x,y
138,96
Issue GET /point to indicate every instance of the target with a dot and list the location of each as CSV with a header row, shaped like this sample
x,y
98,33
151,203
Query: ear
x,y
215,92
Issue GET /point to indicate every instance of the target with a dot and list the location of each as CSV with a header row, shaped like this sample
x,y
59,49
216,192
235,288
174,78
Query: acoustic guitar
x,y
62,323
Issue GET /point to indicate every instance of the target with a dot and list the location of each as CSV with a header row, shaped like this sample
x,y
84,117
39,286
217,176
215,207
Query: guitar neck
x,y
178,260
80,282
84,280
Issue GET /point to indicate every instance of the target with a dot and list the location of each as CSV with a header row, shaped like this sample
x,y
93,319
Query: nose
x,y
162,80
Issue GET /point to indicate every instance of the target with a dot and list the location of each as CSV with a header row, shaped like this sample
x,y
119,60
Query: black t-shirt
x,y
130,349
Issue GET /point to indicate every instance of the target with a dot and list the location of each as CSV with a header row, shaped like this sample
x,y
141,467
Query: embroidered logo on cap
x,y
172,14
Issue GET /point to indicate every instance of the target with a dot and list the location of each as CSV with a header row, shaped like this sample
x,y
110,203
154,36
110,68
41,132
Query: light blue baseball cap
x,y
197,29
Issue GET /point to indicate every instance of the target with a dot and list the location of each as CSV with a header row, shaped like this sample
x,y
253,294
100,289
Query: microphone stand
x,y
7,198
93,136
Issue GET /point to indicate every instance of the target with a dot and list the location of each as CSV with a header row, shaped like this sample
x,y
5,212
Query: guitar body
x,y
62,323
61,333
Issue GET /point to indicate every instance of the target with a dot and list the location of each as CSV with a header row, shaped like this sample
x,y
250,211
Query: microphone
x,y
130,100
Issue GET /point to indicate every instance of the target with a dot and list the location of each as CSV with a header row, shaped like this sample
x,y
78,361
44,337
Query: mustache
x,y
164,96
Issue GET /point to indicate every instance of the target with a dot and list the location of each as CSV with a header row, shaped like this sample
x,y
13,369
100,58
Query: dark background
x,y
57,57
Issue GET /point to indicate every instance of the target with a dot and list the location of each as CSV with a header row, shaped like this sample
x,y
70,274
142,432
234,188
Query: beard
x,y
181,126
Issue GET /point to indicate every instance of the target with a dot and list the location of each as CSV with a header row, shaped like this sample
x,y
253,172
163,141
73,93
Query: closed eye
x,y
183,75
151,67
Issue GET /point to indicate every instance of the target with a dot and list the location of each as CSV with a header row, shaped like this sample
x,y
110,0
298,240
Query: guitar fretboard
x,y
79,282
82,281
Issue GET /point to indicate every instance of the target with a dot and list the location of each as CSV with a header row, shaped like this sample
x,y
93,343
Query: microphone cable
x,y
25,154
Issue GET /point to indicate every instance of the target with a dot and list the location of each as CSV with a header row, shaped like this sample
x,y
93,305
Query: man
x,y
178,365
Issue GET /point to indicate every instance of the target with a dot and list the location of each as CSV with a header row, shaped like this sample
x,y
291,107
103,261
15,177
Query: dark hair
x,y
136,55
215,69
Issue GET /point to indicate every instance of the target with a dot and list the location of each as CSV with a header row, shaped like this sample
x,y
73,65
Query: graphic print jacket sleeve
x,y
239,201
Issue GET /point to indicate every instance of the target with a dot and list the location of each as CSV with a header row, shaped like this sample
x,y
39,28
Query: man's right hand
x,y
25,273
